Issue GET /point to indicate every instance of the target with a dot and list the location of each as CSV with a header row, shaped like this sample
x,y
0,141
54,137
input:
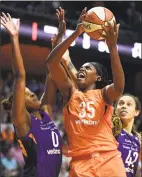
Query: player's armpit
x,y
110,94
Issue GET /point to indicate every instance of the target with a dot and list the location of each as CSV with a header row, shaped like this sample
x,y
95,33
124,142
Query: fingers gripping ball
x,y
95,18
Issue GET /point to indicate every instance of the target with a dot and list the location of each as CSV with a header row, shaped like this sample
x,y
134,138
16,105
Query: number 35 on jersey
x,y
87,109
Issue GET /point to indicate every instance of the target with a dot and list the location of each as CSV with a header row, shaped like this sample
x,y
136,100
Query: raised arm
x,y
65,60
60,78
69,67
113,92
56,39
20,117
48,98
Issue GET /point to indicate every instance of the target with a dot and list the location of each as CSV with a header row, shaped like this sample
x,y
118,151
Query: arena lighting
x,y
84,41
53,30
87,43
34,31
137,50
68,33
50,29
102,47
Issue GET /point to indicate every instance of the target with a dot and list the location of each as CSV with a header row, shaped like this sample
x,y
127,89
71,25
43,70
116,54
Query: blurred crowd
x,y
128,13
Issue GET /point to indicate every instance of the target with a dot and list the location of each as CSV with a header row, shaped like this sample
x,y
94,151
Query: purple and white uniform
x,y
129,146
41,148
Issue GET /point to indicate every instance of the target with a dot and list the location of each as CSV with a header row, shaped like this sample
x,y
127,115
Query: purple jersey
x,y
129,146
42,148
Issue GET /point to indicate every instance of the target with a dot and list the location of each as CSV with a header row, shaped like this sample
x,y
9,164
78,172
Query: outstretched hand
x,y
57,38
8,23
61,19
111,35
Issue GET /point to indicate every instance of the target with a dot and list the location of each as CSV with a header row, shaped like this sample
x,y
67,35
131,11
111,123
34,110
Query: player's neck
x,y
128,126
91,87
37,114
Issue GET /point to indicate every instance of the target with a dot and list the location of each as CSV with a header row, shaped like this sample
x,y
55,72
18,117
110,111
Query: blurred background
x,y
38,24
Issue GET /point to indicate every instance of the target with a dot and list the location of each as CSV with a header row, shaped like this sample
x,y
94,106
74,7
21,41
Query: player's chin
x,y
125,118
35,105
81,84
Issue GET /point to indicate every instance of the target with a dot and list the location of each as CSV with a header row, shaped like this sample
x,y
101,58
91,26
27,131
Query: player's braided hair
x,y
101,71
117,124
7,103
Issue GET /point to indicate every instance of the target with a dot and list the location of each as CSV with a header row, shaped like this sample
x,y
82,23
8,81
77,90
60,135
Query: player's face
x,y
31,100
86,76
126,108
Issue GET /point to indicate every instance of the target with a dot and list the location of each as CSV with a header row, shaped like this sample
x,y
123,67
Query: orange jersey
x,y
88,123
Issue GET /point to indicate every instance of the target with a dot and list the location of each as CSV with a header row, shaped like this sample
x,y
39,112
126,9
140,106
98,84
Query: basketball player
x,y
131,153
39,138
88,109
127,108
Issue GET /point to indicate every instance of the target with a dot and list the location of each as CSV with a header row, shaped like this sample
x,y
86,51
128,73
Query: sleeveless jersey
x,y
129,146
41,148
88,123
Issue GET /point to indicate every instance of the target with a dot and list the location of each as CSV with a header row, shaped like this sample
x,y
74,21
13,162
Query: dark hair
x,y
7,103
117,124
101,71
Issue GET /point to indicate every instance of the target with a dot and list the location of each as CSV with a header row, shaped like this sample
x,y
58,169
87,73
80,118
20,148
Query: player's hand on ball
x,y
111,34
80,27
8,23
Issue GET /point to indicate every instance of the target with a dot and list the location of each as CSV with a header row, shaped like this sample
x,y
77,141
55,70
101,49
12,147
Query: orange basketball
x,y
95,18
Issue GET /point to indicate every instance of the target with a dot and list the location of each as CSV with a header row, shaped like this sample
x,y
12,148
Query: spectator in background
x,y
8,135
133,16
10,165
30,6
9,80
17,154
98,3
41,7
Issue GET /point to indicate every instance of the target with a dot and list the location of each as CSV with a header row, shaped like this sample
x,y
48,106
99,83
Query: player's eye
x,y
129,104
88,67
121,103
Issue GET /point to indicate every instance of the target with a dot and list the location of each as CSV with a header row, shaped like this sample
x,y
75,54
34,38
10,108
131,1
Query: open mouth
x,y
123,112
81,75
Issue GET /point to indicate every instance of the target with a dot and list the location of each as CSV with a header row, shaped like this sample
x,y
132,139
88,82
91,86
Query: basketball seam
x,y
93,23
98,16
110,19
105,14
94,31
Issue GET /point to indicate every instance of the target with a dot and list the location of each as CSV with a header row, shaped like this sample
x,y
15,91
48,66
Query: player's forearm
x,y
117,70
17,61
71,70
57,53
49,95
57,41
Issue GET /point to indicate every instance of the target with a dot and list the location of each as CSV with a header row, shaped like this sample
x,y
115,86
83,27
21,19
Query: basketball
x,y
95,18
